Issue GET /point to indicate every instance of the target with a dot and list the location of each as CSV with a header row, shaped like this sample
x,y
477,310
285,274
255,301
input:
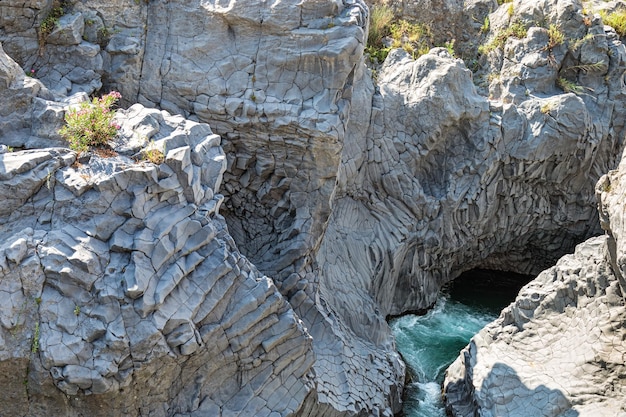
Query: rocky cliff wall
x,y
123,292
448,179
358,199
558,350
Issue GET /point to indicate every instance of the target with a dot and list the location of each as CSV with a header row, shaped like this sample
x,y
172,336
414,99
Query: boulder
x,y
68,30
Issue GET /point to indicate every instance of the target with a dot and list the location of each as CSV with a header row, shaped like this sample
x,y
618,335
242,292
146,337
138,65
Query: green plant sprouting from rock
x,y
485,27
34,348
548,106
575,44
413,37
616,19
48,24
555,37
569,86
91,124
153,154
381,17
516,30
385,34
450,48
592,67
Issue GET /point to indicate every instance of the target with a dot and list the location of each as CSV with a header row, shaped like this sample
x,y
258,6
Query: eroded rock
x,y
123,288
525,362
359,200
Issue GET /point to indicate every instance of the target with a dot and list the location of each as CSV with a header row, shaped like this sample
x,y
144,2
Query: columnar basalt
x,y
125,294
525,362
357,199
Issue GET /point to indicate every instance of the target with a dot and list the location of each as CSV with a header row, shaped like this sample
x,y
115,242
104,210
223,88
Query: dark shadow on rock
x,y
504,394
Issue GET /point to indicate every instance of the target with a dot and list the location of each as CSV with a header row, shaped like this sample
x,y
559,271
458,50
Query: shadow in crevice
x,y
486,289
503,393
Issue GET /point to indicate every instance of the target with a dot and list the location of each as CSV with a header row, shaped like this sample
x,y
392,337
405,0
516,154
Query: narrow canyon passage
x,y
430,343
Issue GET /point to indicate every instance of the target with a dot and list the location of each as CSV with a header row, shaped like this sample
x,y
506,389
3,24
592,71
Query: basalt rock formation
x,y
350,200
558,350
124,294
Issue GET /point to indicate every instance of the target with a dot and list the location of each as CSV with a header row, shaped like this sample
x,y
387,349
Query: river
x,y
430,343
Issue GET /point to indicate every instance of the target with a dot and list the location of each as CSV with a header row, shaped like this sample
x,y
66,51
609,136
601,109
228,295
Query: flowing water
x,y
430,343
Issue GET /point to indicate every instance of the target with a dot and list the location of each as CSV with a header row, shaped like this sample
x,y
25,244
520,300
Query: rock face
x,y
559,349
63,56
358,200
124,293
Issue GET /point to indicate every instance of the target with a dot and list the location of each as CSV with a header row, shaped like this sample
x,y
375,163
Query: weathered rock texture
x,y
559,349
359,200
124,294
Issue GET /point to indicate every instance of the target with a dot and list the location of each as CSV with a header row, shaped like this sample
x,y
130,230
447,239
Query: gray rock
x,y
48,117
358,200
113,279
524,362
11,74
68,30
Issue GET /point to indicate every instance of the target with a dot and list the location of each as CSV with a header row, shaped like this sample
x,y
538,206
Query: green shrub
x,y
617,20
569,86
380,21
381,17
516,30
48,24
555,37
413,37
485,27
154,155
91,124
450,47
510,10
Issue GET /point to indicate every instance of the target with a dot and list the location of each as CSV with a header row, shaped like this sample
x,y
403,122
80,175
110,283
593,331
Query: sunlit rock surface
x,y
357,199
559,349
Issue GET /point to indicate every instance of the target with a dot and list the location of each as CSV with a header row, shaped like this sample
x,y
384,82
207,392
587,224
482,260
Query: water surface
x,y
430,343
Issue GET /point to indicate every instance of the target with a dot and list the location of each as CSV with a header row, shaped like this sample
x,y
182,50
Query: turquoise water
x,y
430,343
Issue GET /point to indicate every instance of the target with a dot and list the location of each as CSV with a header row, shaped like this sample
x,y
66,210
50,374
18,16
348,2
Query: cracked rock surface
x,y
124,294
358,199
558,350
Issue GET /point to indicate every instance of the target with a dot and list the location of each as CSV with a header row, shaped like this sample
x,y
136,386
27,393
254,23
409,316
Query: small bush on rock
x,y
555,37
617,20
48,24
569,86
516,30
413,37
91,124
154,155
380,20
385,34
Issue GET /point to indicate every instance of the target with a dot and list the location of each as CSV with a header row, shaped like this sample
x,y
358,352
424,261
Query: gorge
x,y
303,199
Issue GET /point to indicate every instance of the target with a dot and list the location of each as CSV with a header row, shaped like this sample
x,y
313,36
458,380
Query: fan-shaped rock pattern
x,y
124,291
358,199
